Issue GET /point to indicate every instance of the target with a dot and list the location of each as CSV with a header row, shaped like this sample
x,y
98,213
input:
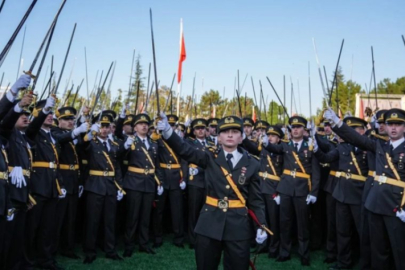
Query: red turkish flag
x,y
182,52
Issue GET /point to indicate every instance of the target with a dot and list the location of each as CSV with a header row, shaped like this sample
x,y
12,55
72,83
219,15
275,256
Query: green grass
x,y
172,258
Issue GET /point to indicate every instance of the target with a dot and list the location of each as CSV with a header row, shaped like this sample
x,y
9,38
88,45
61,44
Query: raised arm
x,y
327,157
251,147
351,136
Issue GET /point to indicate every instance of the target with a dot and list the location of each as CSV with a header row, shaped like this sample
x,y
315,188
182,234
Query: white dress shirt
x,y
236,156
397,142
145,141
102,142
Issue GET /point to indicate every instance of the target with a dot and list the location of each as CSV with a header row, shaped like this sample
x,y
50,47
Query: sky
x,y
258,38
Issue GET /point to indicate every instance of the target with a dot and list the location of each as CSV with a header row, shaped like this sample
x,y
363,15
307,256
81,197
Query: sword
x,y
64,61
10,42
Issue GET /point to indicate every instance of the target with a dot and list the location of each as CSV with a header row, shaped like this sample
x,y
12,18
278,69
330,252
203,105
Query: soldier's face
x,y
104,131
127,129
22,122
48,121
199,132
66,124
112,129
274,139
248,130
230,138
395,130
213,130
142,129
327,130
360,130
382,129
297,132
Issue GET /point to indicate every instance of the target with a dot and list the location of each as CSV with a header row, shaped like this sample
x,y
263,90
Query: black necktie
x,y
48,136
203,143
228,160
391,152
144,143
296,147
105,146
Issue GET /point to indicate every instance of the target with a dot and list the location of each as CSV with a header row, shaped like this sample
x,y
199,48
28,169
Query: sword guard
x,y
30,74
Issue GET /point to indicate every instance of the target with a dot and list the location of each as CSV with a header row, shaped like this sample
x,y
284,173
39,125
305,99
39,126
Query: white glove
x,y
331,116
159,190
261,236
182,185
187,123
81,129
163,123
265,140
50,103
123,112
401,215
193,171
81,189
63,195
373,119
313,128
10,217
129,142
243,135
95,128
311,199
277,199
315,144
22,83
17,177
120,195
164,126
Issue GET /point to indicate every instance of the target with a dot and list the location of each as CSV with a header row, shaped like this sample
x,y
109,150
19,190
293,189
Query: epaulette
x,y
115,143
321,133
284,140
251,155
378,136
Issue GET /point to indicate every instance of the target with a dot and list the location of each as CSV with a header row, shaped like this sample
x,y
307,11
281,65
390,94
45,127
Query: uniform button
x,y
386,166
295,162
348,170
401,193
227,186
351,163
206,209
383,174
225,198
224,210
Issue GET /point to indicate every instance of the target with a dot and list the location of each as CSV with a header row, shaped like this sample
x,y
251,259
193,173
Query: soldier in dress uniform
x,y
385,200
172,179
69,169
327,142
46,188
248,127
232,186
140,184
352,174
103,187
378,133
20,159
261,127
271,168
298,188
6,211
212,130
196,175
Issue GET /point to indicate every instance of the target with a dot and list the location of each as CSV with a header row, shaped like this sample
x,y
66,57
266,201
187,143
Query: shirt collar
x,y
397,142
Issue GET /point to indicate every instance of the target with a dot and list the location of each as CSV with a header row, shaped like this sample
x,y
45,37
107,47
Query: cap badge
x,y
229,120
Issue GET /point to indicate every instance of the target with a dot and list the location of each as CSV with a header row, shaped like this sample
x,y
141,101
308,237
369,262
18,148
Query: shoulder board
x,y
381,137
115,143
286,141
333,141
256,157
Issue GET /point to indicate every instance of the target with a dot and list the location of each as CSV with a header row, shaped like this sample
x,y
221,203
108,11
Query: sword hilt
x,y
30,74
